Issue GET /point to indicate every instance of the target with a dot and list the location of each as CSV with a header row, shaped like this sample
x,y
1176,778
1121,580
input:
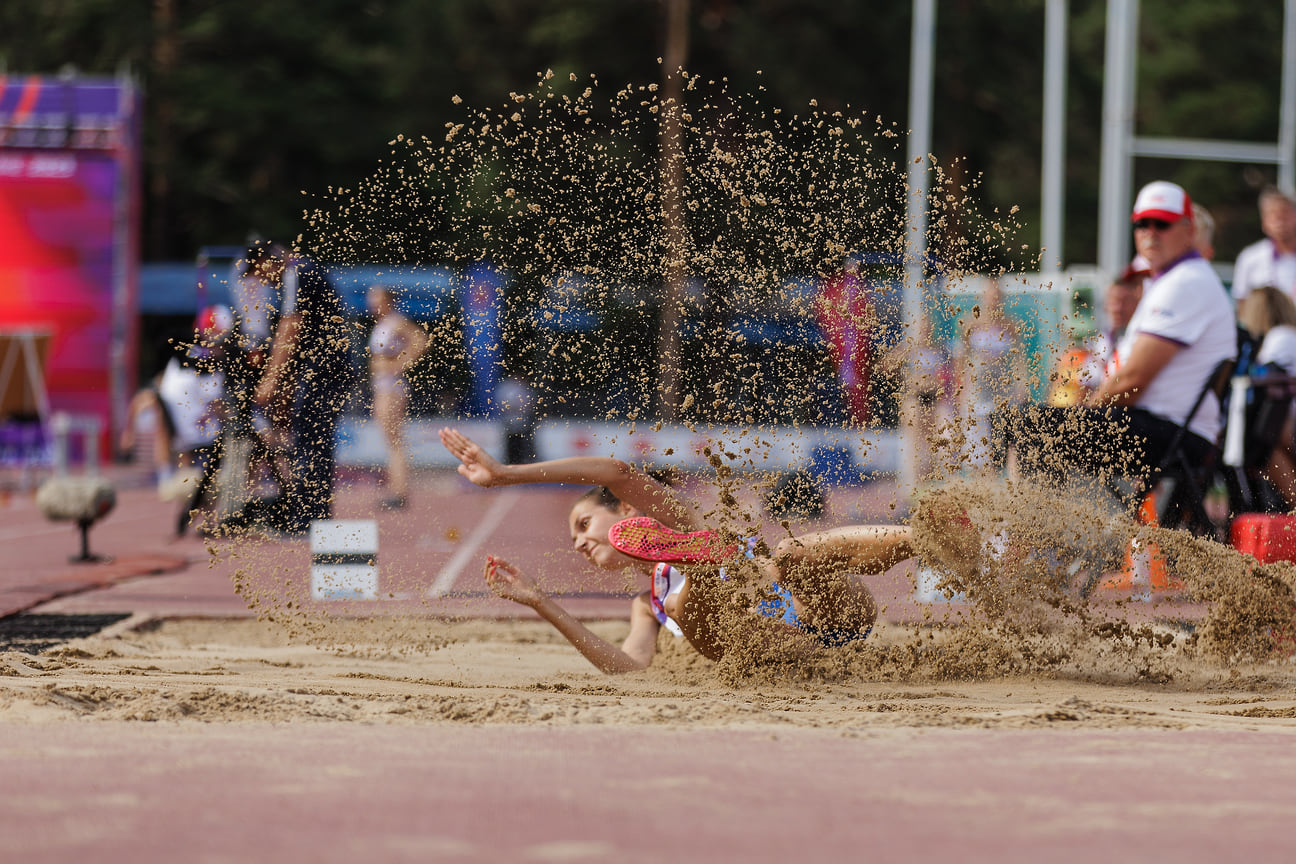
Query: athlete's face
x,y
589,522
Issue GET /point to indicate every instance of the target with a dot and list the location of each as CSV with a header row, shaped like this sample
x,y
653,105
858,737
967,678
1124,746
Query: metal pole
x,y
1118,131
675,269
1052,188
1287,111
920,123
125,292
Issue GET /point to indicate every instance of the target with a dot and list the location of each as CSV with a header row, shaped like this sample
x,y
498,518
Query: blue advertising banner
x,y
483,292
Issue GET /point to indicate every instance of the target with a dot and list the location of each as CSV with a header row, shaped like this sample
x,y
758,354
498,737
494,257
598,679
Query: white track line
x,y
468,550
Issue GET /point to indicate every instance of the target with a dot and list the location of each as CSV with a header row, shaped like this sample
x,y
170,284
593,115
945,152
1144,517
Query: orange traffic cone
x,y
1145,567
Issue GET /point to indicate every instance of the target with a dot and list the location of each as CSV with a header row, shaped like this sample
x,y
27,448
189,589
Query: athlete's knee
x,y
788,551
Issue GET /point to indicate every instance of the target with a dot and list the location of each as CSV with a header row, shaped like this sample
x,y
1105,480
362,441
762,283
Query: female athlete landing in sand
x,y
815,600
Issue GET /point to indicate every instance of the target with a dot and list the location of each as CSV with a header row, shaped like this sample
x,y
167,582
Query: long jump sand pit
x,y
227,739
1020,734
239,671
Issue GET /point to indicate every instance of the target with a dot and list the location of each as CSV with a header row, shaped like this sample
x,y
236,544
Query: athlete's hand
x,y
510,583
475,463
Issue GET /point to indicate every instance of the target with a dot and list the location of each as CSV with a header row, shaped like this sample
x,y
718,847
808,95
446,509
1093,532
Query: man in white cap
x,y
1182,329
1183,326
1272,260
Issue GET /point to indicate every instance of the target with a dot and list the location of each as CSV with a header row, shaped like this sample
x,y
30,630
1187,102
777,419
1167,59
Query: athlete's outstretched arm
x,y
624,481
635,653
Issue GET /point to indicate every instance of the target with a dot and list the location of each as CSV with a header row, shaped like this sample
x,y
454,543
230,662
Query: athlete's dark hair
x,y
602,496
605,498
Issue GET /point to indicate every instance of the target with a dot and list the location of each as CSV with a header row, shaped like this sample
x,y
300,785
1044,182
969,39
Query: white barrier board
x,y
344,559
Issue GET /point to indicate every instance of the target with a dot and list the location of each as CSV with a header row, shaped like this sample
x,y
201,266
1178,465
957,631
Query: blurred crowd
x,y
259,391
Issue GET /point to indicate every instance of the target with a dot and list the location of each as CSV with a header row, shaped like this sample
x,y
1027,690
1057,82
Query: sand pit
x,y
229,671
483,739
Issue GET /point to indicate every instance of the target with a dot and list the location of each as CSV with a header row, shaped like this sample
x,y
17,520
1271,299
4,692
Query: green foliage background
x,y
255,108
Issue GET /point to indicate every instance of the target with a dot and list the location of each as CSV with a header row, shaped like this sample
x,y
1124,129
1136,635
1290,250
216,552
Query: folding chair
x,y
1182,480
1258,409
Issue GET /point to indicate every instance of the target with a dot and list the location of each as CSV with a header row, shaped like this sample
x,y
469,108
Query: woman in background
x,y
993,369
1269,315
395,344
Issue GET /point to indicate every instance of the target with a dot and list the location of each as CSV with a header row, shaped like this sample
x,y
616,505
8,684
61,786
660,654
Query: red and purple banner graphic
x,y
68,235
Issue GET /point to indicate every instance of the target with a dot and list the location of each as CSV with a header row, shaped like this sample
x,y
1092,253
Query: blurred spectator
x,y
846,318
394,345
992,370
515,406
1205,225
933,388
256,304
306,382
1271,261
1270,316
1123,296
1083,365
1120,300
1079,370
186,402
1182,329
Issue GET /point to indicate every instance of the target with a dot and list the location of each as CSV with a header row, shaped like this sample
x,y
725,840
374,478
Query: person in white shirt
x,y
1270,316
1182,329
1272,260
1205,224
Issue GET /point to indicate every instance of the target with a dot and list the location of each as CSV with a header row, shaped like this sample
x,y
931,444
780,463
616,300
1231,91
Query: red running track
x,y
327,792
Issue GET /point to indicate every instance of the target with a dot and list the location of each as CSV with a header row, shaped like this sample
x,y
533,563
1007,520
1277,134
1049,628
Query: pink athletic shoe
x,y
649,540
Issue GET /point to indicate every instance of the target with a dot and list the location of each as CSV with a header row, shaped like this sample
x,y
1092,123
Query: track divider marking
x,y
468,550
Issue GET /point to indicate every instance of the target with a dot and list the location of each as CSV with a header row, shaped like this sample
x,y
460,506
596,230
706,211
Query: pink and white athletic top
x,y
666,580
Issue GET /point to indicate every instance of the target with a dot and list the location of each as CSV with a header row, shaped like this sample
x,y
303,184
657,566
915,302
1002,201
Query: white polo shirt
x,y
1279,347
1186,305
1260,264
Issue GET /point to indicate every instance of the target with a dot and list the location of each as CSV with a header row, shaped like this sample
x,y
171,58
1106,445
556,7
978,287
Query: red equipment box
x,y
1268,536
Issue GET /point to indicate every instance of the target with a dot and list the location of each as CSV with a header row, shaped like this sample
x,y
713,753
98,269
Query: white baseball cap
x,y
1162,200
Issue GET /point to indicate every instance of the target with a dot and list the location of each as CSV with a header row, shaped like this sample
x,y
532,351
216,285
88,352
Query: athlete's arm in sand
x,y
635,653
623,480
1148,356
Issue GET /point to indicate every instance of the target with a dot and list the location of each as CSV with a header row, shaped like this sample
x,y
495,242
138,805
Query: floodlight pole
x,y
1053,190
1120,145
675,270
1287,111
920,124
1118,129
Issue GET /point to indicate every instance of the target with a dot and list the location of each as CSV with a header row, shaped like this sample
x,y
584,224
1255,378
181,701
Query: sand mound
x,y
238,671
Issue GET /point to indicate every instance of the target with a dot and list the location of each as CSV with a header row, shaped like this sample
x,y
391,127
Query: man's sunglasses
x,y
1154,224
